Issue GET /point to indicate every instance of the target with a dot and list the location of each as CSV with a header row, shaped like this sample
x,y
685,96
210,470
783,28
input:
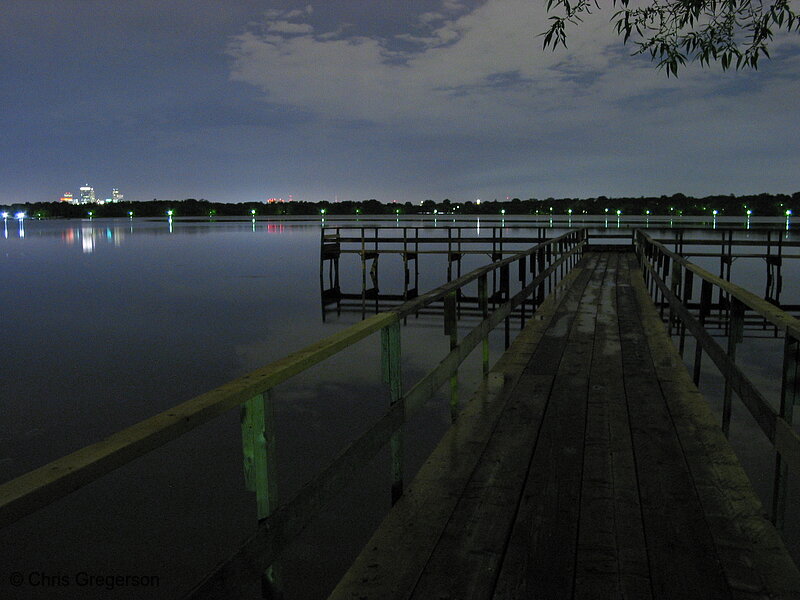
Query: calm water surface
x,y
108,322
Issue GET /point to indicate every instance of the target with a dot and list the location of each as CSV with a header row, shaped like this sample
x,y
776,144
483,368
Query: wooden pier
x,y
597,472
586,465
495,240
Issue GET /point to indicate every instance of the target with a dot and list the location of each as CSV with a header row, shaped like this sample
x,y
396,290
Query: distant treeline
x,y
761,205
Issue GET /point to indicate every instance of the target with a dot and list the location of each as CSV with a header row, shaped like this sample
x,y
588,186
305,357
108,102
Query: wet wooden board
x,y
677,535
611,558
546,523
597,473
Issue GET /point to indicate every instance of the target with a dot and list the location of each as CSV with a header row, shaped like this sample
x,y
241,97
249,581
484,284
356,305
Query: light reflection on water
x,y
132,320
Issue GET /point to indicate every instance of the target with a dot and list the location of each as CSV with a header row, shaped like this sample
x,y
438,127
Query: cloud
x,y
287,27
480,75
449,76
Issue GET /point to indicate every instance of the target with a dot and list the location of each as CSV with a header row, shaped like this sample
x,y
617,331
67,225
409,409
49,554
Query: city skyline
x,y
86,195
401,101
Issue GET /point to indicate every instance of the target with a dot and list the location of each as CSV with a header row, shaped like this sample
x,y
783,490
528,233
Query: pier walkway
x,y
595,470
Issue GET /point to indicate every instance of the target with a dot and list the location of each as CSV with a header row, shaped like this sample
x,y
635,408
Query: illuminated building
x,y
67,197
87,195
115,195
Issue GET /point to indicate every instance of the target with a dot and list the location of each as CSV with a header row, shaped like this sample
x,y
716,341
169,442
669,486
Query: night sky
x,y
243,100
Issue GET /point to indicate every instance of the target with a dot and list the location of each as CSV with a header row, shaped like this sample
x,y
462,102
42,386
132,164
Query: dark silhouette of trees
x,y
761,205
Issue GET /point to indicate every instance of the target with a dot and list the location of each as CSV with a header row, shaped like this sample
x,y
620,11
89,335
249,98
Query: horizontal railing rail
x,y
672,277
279,524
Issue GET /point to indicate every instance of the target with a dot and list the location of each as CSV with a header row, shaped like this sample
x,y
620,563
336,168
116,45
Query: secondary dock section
x,y
598,472
495,239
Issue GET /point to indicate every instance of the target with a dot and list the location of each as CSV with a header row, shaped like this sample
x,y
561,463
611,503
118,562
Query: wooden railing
x,y
279,524
672,281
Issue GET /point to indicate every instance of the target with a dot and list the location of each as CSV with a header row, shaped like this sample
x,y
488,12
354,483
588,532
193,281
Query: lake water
x,y
108,322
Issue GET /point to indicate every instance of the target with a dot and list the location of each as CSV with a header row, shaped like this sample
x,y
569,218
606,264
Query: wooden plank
x,y
393,559
681,551
752,555
611,559
540,555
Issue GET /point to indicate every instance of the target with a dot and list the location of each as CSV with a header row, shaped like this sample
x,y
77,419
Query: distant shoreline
x,y
760,205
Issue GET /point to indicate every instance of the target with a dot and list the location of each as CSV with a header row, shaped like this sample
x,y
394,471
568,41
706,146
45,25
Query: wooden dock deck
x,y
597,471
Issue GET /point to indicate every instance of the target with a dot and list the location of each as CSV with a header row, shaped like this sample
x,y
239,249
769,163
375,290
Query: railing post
x,y
532,268
522,279
449,254
505,288
665,268
451,329
675,288
688,281
392,376
735,333
705,307
260,474
549,261
363,274
483,299
322,266
540,267
790,395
